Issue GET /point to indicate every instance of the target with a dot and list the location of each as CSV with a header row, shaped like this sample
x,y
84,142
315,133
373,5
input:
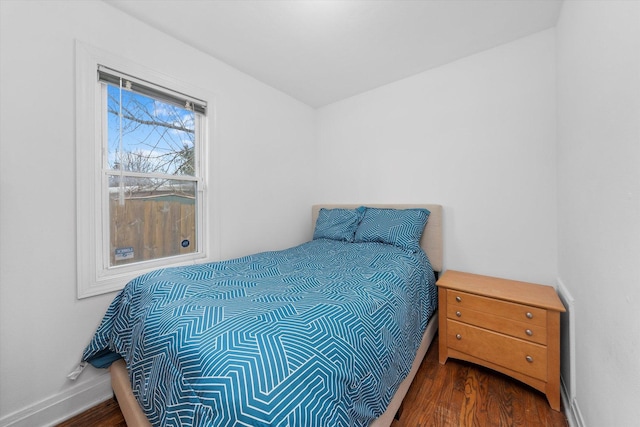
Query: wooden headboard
x,y
431,241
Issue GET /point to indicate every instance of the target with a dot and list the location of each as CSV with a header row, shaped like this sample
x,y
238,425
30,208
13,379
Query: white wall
x,y
599,202
43,327
476,135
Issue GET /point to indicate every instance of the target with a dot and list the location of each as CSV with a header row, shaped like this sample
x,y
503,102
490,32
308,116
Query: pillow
x,y
337,224
398,227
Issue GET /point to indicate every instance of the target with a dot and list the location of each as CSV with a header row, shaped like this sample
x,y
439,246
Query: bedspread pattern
x,y
316,335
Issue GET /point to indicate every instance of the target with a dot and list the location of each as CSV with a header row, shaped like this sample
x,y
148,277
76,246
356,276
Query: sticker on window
x,y
124,253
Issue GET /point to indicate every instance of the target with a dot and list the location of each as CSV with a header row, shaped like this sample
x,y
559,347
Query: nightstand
x,y
511,327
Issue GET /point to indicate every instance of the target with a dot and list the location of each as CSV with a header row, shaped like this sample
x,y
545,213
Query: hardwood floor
x,y
463,394
454,394
107,414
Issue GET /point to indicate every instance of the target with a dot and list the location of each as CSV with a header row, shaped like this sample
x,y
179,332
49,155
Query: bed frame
x,y
431,243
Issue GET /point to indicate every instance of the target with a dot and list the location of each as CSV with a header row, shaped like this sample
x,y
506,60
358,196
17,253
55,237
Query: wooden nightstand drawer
x,y
522,330
509,310
517,355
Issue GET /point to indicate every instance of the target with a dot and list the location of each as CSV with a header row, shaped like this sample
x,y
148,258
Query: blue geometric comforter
x,y
320,334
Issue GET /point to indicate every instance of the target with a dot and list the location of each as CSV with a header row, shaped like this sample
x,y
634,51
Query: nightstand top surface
x,y
509,290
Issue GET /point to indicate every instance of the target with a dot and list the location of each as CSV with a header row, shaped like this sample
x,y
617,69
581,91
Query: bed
x,y
330,332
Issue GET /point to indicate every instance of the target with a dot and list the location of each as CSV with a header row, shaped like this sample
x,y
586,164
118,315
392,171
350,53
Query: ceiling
x,y
322,51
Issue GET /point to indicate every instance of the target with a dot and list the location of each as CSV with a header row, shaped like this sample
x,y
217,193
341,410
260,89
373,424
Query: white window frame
x,y
94,276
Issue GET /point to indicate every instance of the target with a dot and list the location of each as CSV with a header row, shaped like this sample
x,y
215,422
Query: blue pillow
x,y
337,224
398,227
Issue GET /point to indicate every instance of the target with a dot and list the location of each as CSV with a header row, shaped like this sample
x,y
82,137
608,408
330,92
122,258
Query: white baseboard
x,y
62,406
572,410
568,336
568,376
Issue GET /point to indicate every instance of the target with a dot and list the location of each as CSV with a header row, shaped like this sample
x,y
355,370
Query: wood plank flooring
x,y
463,394
454,394
106,414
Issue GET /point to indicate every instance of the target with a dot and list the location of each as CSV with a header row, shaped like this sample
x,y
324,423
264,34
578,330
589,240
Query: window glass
x,y
156,220
156,137
150,175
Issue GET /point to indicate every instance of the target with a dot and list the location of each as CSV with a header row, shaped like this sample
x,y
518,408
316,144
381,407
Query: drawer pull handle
x,y
529,359
458,299
528,332
458,336
529,315
458,314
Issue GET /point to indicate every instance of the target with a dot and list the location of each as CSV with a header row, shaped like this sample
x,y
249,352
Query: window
x,y
141,145
150,170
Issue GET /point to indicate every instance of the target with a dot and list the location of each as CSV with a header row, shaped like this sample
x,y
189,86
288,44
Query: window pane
x,y
156,137
150,219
